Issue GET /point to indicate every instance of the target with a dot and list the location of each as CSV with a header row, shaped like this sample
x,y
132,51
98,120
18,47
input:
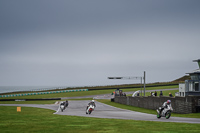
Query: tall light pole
x,y
132,78
144,81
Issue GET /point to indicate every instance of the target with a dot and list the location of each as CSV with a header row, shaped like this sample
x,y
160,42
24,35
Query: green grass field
x,y
43,120
38,120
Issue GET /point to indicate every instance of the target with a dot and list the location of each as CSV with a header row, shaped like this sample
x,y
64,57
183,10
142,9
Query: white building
x,y
191,87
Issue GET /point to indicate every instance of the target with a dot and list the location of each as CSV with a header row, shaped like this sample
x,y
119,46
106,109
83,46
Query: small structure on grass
x,y
118,92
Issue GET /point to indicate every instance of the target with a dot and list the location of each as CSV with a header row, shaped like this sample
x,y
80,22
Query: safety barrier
x,y
39,99
182,105
40,93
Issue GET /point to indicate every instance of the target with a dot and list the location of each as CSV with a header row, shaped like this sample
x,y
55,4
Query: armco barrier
x,y
40,99
40,93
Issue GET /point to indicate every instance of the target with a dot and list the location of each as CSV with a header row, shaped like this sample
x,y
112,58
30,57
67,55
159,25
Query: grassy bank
x,y
85,93
43,120
76,94
109,87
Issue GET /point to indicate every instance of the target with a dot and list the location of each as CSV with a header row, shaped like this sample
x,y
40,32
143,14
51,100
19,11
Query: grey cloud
x,y
84,42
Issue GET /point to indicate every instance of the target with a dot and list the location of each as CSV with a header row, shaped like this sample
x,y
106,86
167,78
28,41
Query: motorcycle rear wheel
x,y
90,112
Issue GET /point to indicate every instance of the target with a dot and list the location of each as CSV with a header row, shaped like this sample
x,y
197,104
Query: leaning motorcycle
x,y
166,112
89,109
62,106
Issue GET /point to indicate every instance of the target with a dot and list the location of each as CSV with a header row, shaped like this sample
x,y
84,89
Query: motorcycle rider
x,y
65,103
166,104
91,103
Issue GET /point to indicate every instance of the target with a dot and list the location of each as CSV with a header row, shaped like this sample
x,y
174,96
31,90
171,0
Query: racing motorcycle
x,y
166,112
62,106
89,109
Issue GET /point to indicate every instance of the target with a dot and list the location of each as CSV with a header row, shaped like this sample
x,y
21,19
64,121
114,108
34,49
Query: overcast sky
x,y
82,42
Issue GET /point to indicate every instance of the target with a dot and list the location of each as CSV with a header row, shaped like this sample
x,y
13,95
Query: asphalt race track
x,y
78,108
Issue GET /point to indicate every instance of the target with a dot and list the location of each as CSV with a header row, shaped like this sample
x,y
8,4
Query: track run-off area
x,y
78,108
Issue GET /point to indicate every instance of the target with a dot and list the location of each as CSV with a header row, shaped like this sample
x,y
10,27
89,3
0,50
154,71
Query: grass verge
x,y
43,120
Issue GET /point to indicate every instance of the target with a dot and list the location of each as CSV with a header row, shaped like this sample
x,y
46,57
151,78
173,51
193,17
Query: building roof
x,y
198,60
195,72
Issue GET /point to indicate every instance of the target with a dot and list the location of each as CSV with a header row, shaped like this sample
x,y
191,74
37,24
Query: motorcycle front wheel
x,y
90,112
168,114
158,115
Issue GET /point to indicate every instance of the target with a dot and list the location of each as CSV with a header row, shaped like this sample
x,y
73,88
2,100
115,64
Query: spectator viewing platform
x,y
191,87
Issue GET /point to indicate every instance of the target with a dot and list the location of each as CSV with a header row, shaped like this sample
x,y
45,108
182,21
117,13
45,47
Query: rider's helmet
x,y
92,100
168,101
